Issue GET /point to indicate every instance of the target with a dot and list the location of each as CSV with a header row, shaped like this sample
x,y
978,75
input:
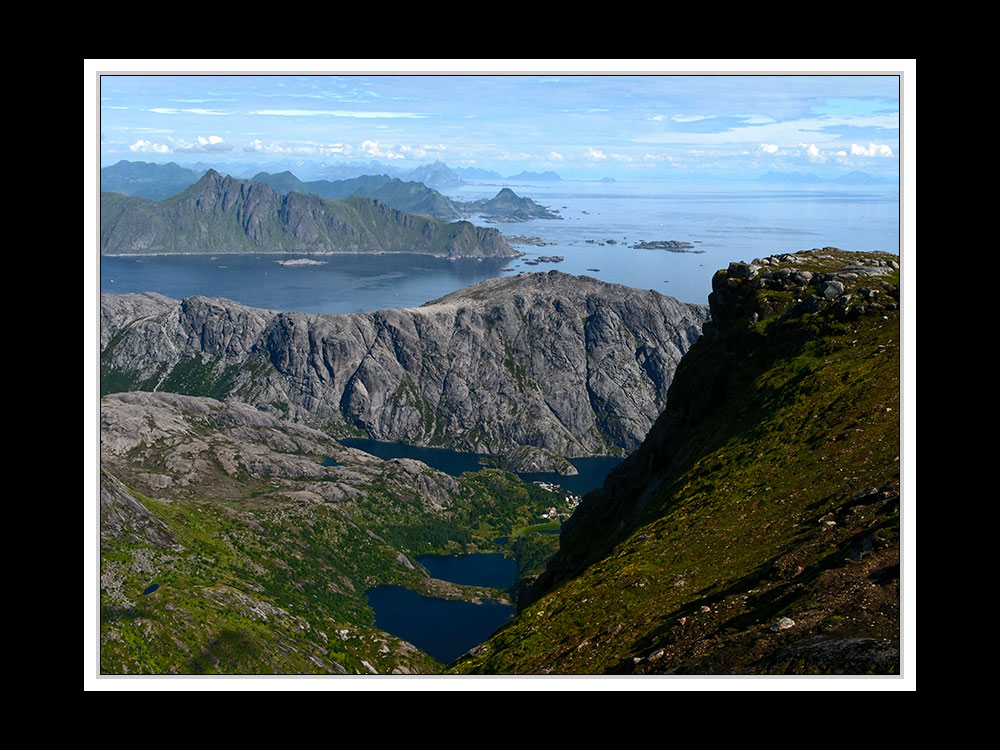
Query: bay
x,y
724,222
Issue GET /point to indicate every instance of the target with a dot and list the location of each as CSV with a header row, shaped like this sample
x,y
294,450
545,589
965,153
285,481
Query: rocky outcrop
x,y
123,517
166,443
568,364
224,215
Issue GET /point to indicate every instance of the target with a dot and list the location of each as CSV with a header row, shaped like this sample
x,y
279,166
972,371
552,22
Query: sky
x,y
609,124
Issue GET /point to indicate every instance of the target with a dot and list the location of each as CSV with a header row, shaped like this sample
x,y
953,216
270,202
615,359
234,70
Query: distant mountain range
x,y
474,173
154,181
536,176
414,197
223,214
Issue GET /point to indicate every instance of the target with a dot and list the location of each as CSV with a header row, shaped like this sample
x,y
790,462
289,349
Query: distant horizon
x,y
583,127
313,167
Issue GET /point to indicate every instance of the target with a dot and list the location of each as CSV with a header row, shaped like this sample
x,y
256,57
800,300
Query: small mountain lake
x,y
443,628
592,470
486,569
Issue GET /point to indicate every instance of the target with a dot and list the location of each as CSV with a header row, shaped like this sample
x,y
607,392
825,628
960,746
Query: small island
x,y
674,246
301,262
526,240
507,206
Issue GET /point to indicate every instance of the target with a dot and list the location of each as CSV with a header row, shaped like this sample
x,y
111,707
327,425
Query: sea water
x,y
723,222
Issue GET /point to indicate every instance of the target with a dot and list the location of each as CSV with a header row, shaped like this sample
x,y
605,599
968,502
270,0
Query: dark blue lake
x,y
443,628
487,569
592,470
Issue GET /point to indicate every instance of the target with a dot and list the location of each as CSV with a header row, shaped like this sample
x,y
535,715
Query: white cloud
x,y
420,152
148,147
767,148
592,153
211,144
870,150
813,153
555,156
258,146
372,148
322,149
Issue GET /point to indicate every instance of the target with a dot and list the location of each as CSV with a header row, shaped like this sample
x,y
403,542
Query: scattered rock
x,y
783,624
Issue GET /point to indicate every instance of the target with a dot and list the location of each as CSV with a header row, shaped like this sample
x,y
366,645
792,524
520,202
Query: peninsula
x,y
224,215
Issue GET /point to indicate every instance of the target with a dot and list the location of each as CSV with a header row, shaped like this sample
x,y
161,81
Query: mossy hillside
x,y
264,579
771,492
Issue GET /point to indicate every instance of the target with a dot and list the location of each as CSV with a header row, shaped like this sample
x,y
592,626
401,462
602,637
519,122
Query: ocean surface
x,y
724,222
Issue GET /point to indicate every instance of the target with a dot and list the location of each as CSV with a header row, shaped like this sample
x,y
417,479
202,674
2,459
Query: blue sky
x,y
580,126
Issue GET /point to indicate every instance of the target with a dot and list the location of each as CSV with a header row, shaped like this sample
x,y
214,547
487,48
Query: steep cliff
x,y
225,215
756,529
569,364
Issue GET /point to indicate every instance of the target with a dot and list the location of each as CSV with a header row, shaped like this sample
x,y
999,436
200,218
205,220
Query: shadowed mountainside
x,y
756,529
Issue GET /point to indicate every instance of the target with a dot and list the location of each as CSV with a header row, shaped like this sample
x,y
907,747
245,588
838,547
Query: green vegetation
x,y
265,577
770,489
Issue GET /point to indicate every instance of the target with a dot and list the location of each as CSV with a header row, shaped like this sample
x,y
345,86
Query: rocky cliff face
x,y
568,364
223,214
756,529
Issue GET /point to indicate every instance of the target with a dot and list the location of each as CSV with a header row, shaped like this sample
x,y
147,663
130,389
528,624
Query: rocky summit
x,y
569,365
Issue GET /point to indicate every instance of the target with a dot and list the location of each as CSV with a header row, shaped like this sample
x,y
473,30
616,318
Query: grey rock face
x,y
201,442
122,516
568,364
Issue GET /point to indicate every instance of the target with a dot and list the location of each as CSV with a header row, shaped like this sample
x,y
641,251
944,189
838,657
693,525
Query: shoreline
x,y
311,253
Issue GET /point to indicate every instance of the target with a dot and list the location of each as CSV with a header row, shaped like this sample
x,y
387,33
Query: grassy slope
x,y
780,499
263,581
